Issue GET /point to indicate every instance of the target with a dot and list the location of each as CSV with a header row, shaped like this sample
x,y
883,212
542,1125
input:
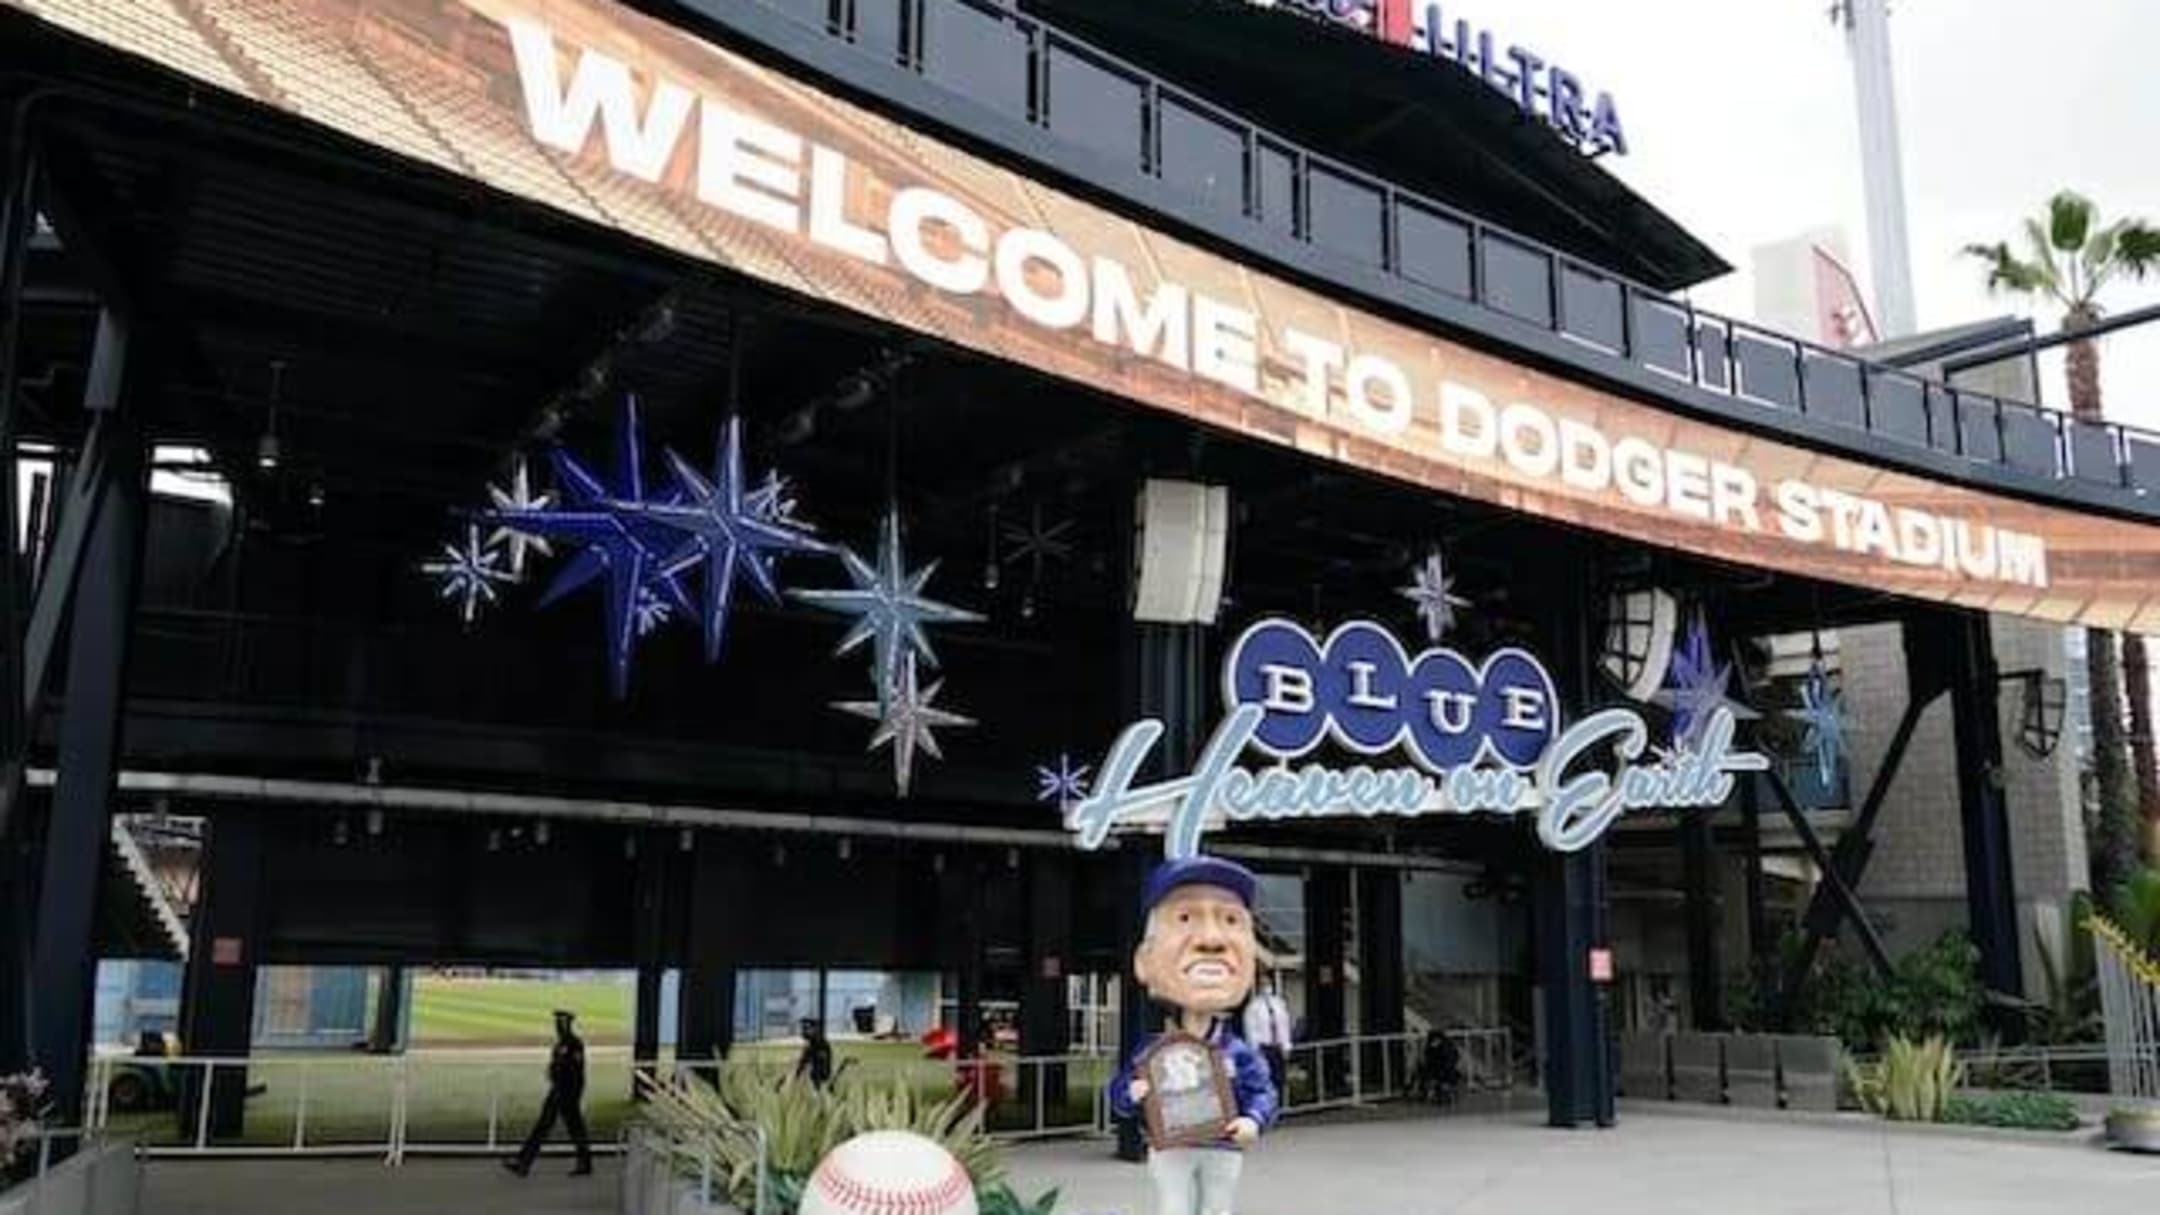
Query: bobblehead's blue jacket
x,y
1250,1084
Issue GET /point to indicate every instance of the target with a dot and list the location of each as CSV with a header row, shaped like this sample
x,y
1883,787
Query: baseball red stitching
x,y
866,1199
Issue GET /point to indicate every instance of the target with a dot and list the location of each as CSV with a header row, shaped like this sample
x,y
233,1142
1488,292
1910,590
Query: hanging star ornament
x,y
906,719
1065,784
727,530
1822,712
514,498
1038,543
1432,590
618,542
1698,685
889,607
469,570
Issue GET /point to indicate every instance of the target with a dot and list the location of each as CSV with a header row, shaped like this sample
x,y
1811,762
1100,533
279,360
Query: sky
x,y
1740,123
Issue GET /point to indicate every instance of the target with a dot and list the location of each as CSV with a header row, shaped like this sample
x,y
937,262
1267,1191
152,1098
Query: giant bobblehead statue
x,y
1197,958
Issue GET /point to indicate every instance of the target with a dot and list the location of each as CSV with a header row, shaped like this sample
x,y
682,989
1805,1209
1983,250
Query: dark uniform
x,y
565,1100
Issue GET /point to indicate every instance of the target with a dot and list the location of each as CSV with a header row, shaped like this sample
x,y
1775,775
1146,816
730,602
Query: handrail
x,y
1436,249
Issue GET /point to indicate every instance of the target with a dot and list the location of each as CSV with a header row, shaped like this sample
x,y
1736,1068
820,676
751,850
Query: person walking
x,y
565,1100
816,1058
1268,1027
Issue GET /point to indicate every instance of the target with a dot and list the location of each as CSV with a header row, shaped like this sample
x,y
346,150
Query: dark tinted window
x,y
2092,453
1203,155
1092,105
2145,463
1661,336
1278,190
1767,370
980,54
2029,440
1346,215
877,26
1435,250
1518,280
1977,422
1590,308
1900,407
1833,389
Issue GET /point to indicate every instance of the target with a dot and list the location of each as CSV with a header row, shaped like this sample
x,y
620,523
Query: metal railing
x,y
2130,1007
1228,169
481,1102
99,1177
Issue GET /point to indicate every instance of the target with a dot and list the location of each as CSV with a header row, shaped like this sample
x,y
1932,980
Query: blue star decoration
x,y
618,542
906,720
1697,685
889,607
1065,784
469,570
1822,712
728,530
1431,589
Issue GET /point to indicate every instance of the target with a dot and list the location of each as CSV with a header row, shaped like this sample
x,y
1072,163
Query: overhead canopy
x,y
1422,122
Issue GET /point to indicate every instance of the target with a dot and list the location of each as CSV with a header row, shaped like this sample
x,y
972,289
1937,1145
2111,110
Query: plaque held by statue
x,y
1189,1100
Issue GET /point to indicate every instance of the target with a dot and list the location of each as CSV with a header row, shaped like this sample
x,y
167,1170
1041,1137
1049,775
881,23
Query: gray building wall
x,y
1915,883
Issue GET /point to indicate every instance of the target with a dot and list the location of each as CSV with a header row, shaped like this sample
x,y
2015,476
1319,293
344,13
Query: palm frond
x,y
2006,273
2070,220
2137,247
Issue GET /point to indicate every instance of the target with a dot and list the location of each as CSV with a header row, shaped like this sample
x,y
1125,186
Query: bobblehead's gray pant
x,y
1195,1181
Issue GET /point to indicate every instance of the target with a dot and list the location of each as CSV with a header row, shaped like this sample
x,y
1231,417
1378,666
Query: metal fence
x,y
480,1102
2130,1005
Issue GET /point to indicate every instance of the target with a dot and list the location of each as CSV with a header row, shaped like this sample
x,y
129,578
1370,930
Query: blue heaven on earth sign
x,y
1474,738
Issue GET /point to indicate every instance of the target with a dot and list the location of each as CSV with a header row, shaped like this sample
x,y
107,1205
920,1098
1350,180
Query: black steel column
x,y
18,185
1045,1017
217,1005
1706,975
648,911
1762,950
1569,910
705,1010
1990,886
387,1034
959,912
1381,987
1327,982
63,960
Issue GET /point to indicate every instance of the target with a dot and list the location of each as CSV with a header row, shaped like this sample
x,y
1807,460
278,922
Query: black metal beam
x,y
1856,846
1990,883
1870,941
64,959
1989,355
1706,979
18,206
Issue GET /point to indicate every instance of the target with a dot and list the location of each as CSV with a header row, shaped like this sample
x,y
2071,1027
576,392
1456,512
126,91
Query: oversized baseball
x,y
889,1173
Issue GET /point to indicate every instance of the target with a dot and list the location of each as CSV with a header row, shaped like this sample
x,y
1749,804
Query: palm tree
x,y
2069,257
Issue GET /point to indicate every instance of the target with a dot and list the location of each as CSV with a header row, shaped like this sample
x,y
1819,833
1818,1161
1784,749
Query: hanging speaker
x,y
1639,629
1184,531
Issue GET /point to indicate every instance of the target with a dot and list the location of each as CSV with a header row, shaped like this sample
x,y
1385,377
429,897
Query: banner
x,y
620,119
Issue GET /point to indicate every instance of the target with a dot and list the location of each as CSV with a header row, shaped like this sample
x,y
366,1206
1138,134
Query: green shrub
x,y
802,1122
2019,1111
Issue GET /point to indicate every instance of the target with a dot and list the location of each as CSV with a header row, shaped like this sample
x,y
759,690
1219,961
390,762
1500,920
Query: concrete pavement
x,y
1403,1162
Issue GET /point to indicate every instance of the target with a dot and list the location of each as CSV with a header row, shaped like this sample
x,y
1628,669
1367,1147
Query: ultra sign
x,y
1545,90
1480,738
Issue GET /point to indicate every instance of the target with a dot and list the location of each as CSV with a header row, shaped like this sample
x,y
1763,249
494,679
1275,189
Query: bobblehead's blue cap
x,y
1197,871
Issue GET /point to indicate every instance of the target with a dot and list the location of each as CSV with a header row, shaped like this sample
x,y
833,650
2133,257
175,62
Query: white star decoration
x,y
1065,784
469,572
516,497
889,607
1697,685
1432,590
653,612
906,720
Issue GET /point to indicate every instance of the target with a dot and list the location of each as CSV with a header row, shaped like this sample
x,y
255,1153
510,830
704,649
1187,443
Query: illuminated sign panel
x,y
626,122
